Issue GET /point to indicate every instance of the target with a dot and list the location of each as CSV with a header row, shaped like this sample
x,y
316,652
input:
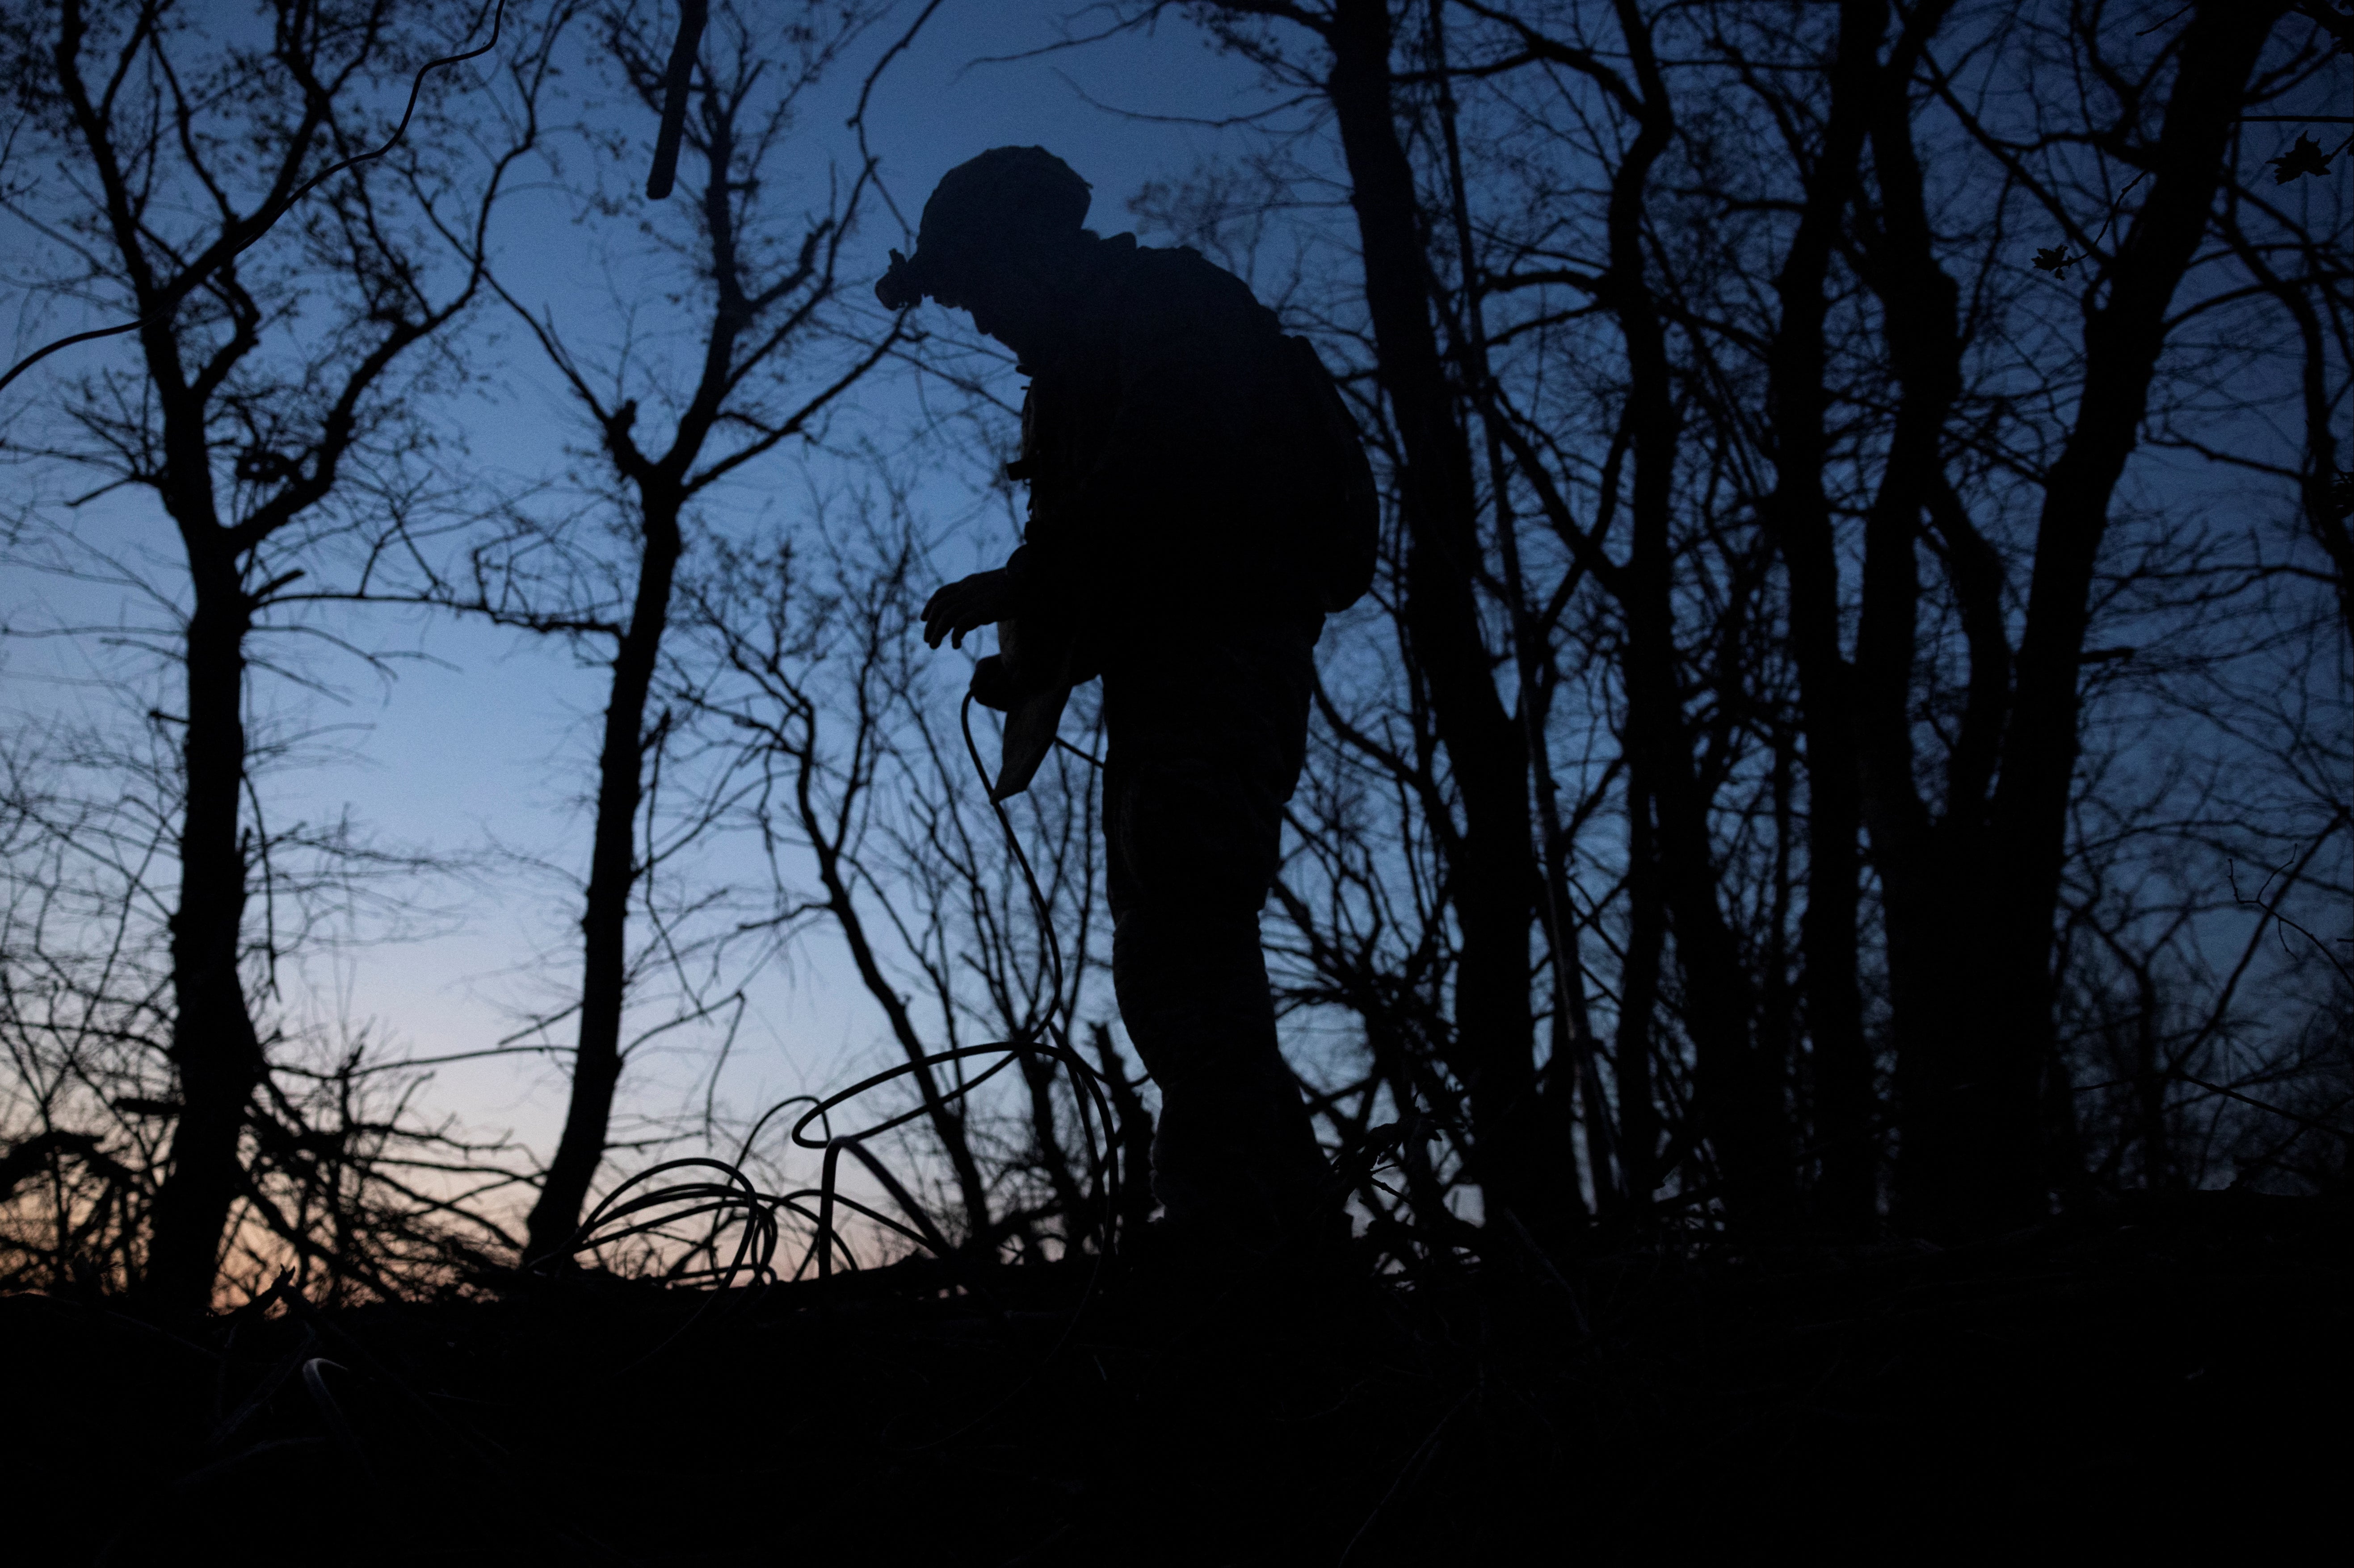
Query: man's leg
x,y
1206,742
1235,1151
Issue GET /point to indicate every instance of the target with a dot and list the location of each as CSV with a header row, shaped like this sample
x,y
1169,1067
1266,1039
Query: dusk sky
x,y
486,737
476,746
498,748
1695,886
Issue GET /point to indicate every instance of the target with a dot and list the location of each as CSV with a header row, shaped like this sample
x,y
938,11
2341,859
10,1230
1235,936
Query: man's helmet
x,y
1006,199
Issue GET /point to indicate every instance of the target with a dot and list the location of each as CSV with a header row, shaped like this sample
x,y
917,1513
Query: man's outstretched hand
x,y
982,599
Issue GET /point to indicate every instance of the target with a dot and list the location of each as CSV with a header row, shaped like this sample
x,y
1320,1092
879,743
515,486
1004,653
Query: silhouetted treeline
x,y
1814,463
1852,733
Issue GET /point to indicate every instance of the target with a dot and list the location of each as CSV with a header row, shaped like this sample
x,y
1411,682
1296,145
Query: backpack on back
x,y
1344,509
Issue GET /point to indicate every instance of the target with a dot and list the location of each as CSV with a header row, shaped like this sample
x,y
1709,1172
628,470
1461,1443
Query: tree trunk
x,y
1638,996
1740,1103
1079,1220
1570,1076
613,871
947,1118
214,1046
1516,1163
1973,1130
1799,514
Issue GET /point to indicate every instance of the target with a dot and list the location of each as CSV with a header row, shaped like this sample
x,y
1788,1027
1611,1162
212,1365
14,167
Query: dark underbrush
x,y
2169,1377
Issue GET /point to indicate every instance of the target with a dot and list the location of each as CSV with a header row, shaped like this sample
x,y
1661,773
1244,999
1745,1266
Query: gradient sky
x,y
486,736
521,716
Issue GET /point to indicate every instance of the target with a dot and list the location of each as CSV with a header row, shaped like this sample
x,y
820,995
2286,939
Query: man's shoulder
x,y
1177,280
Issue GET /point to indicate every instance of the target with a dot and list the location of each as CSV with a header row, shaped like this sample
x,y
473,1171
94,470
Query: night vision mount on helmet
x,y
1007,197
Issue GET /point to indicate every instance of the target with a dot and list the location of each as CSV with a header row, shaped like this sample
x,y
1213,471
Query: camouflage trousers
x,y
1207,736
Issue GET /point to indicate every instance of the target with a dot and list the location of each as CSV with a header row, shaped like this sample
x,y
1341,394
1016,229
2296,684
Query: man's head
x,y
997,228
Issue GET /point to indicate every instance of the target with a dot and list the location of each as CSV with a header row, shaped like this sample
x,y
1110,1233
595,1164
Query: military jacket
x,y
1158,441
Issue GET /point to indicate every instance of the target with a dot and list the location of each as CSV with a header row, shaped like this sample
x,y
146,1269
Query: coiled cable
x,y
729,1196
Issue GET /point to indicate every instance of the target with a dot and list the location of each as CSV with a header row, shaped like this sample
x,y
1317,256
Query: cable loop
x,y
736,1199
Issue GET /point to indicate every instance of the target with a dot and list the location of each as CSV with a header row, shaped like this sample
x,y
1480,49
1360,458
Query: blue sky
x,y
485,737
521,716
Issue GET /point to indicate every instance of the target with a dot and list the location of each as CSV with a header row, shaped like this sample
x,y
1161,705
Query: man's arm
x,y
1193,373
966,605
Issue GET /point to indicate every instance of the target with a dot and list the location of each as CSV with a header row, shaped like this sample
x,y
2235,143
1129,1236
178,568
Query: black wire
x,y
1044,1036
735,1198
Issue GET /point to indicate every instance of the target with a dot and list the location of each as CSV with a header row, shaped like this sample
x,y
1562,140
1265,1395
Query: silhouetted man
x,y
1169,457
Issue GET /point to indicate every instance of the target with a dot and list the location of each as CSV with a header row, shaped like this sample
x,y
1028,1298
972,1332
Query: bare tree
x,y
774,355
855,773
817,677
278,352
1737,303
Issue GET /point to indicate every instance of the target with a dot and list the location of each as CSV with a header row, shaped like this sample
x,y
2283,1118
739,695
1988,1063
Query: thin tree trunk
x,y
214,1046
663,486
1570,1070
1927,890
613,871
948,1123
1799,514
1638,997
1494,1028
1740,1105
1078,1219
1996,1104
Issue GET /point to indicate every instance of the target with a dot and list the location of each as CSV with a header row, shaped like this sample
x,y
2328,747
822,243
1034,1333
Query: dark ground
x,y
2169,1380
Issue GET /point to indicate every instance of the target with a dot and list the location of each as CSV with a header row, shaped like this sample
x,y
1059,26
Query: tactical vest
x,y
1249,494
